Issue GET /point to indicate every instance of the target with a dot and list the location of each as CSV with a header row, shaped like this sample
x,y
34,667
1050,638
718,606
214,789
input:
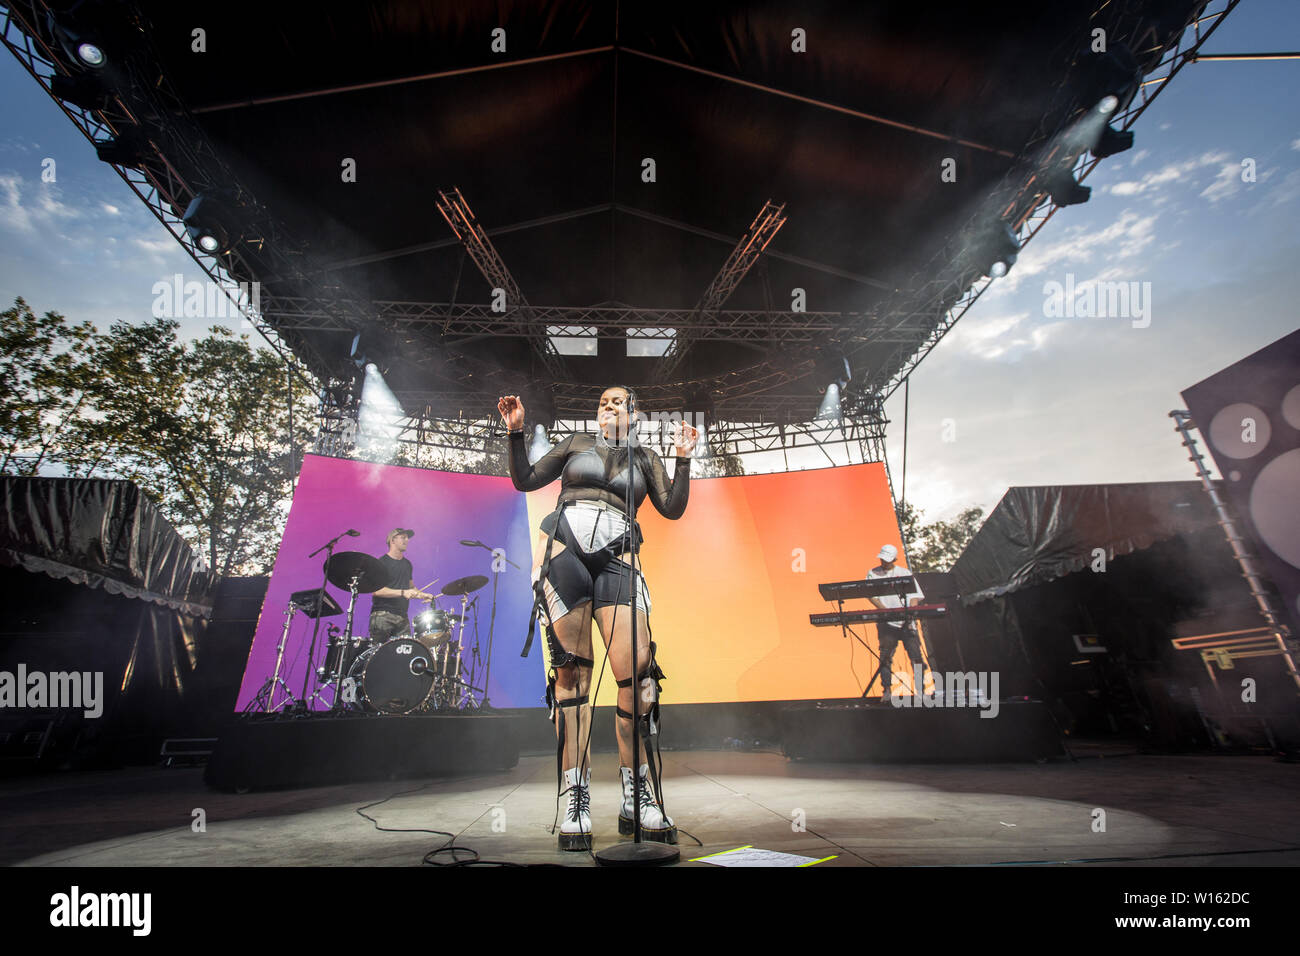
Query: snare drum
x,y
393,678
431,627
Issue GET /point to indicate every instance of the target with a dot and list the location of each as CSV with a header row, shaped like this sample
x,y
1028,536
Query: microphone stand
x,y
492,619
320,597
636,853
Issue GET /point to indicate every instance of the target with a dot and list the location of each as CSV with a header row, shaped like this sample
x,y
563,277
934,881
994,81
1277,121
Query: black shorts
x,y
601,577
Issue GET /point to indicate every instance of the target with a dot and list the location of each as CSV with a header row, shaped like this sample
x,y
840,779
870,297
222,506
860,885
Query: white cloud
x,y
1287,190
1000,337
1124,238
12,214
109,208
25,210
1295,144
1169,173
157,248
1226,183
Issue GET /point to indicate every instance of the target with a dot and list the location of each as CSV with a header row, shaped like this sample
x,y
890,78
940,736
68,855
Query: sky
x,y
1014,395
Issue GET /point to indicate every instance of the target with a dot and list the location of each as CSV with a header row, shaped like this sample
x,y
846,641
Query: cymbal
x,y
344,566
465,585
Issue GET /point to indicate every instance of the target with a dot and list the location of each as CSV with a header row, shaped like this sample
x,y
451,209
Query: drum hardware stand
x,y
323,677
353,590
492,615
492,620
315,631
266,696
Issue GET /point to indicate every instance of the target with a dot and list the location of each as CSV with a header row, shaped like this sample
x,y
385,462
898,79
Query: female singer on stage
x,y
582,572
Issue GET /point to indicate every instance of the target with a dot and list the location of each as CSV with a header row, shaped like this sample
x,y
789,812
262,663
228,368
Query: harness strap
x,y
557,714
562,658
539,593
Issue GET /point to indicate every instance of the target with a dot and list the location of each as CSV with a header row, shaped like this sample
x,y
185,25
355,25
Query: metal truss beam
x,y
466,226
463,321
939,301
747,251
478,443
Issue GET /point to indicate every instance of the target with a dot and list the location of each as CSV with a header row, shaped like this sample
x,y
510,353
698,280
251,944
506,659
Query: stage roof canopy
x,y
613,154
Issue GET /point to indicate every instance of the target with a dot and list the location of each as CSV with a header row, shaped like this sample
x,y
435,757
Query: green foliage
x,y
203,426
936,546
46,369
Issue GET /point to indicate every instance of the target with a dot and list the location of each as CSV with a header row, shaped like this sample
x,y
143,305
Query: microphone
x,y
472,544
353,534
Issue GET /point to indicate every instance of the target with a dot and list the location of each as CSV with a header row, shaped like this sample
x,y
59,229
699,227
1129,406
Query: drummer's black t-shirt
x,y
400,574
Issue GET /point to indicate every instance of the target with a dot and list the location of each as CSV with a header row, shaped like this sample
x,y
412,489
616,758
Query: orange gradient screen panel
x,y
732,583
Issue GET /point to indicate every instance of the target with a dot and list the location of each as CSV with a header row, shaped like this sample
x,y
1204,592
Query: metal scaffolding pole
x,y
1183,424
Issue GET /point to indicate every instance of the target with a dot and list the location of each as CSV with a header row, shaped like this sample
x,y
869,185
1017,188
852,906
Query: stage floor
x,y
1160,811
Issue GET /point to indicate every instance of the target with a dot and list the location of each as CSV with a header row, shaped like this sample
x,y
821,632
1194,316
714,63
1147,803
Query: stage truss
x,y
749,410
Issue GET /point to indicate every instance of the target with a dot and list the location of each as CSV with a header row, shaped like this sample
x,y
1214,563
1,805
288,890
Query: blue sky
x,y
1022,397
1030,399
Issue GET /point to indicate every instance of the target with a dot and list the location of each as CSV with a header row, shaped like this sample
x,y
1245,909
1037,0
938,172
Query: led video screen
x,y
732,582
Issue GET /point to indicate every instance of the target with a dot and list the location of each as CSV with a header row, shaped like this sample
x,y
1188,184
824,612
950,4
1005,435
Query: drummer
x,y
389,615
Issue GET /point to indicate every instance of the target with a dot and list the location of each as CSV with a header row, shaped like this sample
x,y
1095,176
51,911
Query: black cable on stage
x,y
430,858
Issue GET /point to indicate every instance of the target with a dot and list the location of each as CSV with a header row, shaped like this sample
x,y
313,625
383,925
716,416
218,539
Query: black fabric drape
x,y
1038,534
100,534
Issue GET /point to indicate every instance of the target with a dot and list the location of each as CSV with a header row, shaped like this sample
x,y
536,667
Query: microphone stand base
x,y
637,854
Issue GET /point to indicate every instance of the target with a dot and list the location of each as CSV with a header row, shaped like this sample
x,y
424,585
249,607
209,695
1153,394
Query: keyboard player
x,y
892,632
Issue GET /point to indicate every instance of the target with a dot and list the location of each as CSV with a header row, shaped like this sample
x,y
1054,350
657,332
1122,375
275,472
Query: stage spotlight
x,y
128,149
700,404
356,355
1108,104
1063,189
83,90
206,221
830,409
540,404
539,445
82,30
1115,75
1000,248
1112,141
834,368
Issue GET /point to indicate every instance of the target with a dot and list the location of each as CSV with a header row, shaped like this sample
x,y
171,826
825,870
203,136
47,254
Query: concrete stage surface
x,y
1159,811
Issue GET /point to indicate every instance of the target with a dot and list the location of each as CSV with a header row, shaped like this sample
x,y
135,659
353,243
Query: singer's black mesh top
x,y
591,469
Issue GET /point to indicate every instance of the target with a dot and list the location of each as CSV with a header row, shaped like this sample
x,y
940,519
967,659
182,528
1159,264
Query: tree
x,y
46,371
938,545
203,427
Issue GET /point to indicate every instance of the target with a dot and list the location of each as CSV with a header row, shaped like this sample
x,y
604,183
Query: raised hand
x,y
684,437
512,412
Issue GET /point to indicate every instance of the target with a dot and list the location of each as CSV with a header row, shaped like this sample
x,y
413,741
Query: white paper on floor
x,y
752,856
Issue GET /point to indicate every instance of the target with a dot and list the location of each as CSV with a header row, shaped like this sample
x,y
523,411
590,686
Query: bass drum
x,y
393,678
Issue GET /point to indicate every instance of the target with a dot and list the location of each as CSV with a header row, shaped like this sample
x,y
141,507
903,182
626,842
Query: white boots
x,y
655,824
575,828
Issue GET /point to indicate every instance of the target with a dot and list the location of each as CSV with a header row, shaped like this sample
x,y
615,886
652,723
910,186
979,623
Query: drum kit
x,y
422,672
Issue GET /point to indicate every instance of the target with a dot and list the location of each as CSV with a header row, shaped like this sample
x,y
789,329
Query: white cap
x,y
888,553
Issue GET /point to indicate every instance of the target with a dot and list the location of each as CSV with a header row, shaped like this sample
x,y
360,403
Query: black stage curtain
x,y
100,534
95,579
1038,534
